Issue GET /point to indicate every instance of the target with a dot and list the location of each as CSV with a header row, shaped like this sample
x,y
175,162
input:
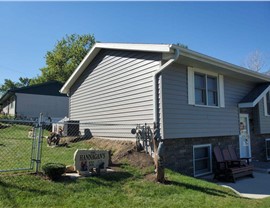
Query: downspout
x,y
155,82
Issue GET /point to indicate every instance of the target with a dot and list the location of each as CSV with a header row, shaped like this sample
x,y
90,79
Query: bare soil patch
x,y
124,150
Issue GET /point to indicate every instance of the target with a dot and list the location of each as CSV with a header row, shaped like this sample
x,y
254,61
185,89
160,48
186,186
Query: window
x,y
212,91
267,104
206,92
205,88
202,160
267,144
200,89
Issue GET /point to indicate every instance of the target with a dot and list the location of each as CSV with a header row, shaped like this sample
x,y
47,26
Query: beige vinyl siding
x,y
182,120
116,88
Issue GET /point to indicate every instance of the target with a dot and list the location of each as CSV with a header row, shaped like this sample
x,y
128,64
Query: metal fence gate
x,y
21,141
20,145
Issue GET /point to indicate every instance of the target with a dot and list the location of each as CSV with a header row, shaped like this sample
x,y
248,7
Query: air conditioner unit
x,y
267,145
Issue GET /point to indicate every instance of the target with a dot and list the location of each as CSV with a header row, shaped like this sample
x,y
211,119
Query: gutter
x,y
155,85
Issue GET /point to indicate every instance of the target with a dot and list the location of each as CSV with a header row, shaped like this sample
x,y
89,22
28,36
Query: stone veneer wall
x,y
258,150
179,152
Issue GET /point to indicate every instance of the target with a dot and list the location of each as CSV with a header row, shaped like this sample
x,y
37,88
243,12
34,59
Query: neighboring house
x,y
29,102
199,101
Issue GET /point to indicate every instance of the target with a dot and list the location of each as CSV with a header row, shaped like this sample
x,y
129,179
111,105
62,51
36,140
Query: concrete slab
x,y
255,188
263,167
77,175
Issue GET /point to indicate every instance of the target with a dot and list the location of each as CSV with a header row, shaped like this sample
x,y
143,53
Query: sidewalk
x,y
255,188
263,167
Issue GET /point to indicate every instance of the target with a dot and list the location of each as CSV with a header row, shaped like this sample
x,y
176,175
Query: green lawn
x,y
15,147
125,188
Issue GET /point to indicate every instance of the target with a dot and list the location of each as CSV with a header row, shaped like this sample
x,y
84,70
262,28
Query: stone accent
x,y
70,169
88,160
179,152
258,151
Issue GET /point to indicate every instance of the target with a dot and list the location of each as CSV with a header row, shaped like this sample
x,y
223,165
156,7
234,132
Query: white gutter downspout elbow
x,y
157,73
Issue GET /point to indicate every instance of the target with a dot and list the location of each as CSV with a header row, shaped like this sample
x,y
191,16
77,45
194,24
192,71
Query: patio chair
x,y
221,164
244,161
227,169
230,161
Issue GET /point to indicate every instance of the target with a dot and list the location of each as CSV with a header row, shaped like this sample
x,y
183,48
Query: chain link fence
x,y
27,145
18,145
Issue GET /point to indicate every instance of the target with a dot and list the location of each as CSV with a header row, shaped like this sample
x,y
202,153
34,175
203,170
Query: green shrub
x,y
54,170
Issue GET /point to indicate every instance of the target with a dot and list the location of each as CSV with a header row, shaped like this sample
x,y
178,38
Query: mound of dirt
x,y
124,150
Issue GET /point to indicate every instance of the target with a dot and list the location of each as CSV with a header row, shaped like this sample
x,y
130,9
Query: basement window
x,y
202,159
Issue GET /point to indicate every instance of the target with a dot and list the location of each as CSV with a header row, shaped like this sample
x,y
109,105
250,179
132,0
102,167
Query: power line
x,y
11,69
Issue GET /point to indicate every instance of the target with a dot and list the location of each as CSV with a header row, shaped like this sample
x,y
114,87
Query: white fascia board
x,y
258,99
79,70
245,105
157,48
210,60
255,102
162,48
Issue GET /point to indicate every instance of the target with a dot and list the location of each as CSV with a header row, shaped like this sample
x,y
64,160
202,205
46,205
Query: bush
x,y
54,170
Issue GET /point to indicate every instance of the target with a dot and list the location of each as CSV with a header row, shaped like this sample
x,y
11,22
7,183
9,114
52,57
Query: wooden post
x,y
155,153
160,163
158,158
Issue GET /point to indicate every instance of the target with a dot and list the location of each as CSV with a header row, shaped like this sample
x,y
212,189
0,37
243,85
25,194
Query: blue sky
x,y
225,30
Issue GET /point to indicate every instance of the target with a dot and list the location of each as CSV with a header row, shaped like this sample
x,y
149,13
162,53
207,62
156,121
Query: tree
x,y
24,81
64,58
9,84
255,61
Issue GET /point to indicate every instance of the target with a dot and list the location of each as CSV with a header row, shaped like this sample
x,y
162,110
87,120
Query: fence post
x,y
39,143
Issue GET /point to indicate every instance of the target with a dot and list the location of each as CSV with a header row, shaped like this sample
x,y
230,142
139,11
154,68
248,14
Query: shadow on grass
x,y
206,190
101,180
7,192
116,176
6,185
62,179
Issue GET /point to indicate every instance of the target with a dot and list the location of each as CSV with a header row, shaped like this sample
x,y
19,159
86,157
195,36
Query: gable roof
x,y
167,51
48,88
158,48
254,96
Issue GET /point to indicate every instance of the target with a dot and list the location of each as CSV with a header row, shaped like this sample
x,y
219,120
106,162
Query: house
x,y
29,102
197,100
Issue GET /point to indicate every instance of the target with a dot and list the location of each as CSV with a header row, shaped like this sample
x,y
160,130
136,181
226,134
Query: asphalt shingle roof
x,y
48,88
255,93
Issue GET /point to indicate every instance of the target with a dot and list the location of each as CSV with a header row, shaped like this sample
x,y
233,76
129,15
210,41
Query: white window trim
x,y
266,113
191,87
210,158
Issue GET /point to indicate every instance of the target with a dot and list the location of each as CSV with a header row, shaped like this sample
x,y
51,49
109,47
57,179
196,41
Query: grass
x,y
119,189
125,188
15,147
